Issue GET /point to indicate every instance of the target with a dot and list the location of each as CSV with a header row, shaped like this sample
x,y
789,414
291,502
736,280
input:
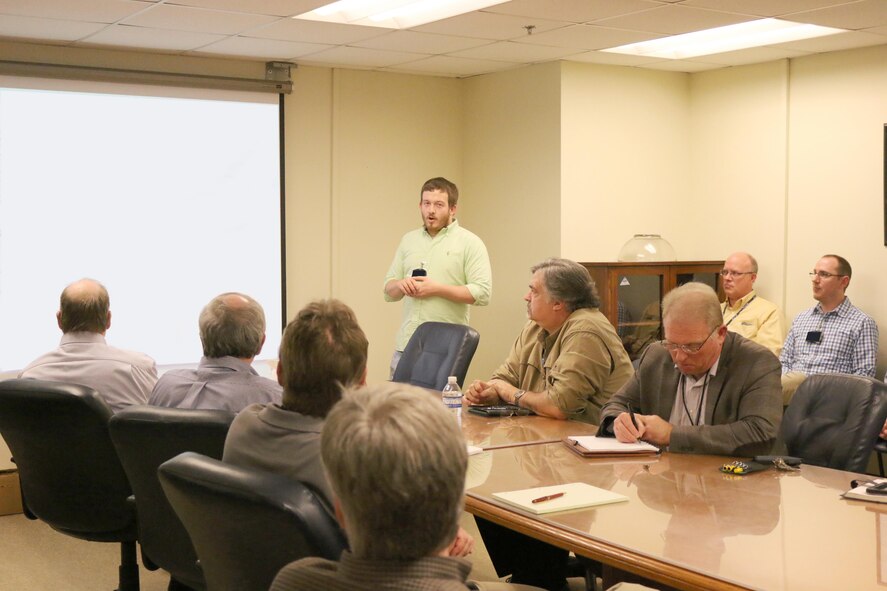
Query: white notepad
x,y
610,445
576,496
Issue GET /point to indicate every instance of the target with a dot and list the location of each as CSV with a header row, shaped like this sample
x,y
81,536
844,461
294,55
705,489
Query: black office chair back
x,y
70,474
833,420
247,524
436,351
145,437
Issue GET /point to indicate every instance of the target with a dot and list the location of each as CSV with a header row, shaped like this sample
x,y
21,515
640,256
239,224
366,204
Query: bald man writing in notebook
x,y
701,390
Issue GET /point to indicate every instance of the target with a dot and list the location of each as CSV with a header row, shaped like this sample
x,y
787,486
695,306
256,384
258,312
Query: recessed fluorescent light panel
x,y
393,14
757,33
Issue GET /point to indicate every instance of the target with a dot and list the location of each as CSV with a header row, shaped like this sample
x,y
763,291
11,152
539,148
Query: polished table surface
x,y
495,432
689,526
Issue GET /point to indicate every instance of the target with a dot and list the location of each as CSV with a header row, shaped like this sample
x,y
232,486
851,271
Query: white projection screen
x,y
169,197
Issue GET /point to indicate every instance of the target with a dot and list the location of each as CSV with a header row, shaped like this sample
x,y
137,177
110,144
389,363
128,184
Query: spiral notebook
x,y
608,447
576,495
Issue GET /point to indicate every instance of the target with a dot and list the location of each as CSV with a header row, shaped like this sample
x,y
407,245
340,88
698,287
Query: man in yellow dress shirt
x,y
745,312
440,269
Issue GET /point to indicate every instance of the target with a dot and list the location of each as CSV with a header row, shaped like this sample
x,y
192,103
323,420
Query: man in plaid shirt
x,y
831,337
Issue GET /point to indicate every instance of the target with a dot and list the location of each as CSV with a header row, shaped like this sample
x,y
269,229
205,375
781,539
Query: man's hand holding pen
x,y
650,428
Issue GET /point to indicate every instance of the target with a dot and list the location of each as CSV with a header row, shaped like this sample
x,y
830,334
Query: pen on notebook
x,y
633,420
548,497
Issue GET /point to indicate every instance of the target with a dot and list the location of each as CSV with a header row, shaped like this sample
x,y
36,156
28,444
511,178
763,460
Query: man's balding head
x,y
232,325
740,272
84,307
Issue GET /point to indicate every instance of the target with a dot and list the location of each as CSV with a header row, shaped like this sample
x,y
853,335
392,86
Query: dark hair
x,y
84,310
569,282
441,184
323,350
843,266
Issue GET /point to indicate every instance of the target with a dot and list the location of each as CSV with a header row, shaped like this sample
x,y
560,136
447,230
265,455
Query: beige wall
x,y
625,159
738,168
511,189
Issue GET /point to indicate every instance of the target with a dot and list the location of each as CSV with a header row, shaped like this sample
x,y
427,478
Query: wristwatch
x,y
517,396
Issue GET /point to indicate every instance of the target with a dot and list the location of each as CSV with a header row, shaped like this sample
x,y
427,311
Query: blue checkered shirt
x,y
849,342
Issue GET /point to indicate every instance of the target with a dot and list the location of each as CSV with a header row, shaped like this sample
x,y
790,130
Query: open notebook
x,y
591,446
576,495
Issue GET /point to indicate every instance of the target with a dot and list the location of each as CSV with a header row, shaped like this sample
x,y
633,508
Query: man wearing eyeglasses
x,y
745,312
701,390
833,336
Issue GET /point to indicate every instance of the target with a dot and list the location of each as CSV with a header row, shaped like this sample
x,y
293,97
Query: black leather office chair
x,y
247,524
70,475
833,420
145,437
436,351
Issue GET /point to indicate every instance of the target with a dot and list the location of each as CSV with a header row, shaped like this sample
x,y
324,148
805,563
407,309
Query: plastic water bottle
x,y
452,397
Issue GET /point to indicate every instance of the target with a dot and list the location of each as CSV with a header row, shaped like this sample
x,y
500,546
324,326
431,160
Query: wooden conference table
x,y
685,524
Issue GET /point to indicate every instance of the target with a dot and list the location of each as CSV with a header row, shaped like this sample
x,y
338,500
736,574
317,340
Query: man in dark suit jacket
x,y
702,389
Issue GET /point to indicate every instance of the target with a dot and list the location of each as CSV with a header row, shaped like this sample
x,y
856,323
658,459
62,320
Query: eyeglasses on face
x,y
823,274
729,273
690,348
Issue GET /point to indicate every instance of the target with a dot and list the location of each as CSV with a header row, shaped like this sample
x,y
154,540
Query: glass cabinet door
x,y
639,319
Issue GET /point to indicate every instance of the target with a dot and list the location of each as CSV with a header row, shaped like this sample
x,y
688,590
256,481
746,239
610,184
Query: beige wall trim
x,y
95,74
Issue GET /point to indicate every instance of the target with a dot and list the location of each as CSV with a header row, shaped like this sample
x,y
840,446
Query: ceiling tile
x,y
673,20
262,48
586,37
184,18
46,29
129,36
572,11
94,11
849,40
761,7
359,57
509,51
270,7
452,66
420,42
289,29
856,15
486,25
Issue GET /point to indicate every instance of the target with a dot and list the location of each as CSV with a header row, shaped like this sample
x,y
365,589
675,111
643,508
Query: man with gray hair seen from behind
x,y
323,350
703,389
745,312
232,331
396,461
122,378
568,359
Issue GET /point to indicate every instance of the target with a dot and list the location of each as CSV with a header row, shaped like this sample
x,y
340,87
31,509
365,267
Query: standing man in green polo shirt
x,y
441,268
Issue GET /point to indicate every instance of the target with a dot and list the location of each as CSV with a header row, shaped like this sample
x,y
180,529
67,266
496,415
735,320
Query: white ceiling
x,y
496,38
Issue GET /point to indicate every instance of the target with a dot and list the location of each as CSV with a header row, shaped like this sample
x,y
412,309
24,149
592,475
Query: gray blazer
x,y
743,406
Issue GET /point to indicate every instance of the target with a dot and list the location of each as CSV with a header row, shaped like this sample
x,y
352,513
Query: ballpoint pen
x,y
633,420
548,497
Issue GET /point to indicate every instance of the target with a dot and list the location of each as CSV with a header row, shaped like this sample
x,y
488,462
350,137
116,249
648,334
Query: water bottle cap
x,y
451,380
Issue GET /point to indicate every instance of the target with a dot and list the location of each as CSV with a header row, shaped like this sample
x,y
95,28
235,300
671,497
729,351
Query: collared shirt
x,y
848,344
689,402
454,256
277,440
580,366
434,573
122,378
223,383
756,319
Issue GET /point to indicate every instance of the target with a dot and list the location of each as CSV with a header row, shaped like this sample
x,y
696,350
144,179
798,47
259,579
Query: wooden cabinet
x,y
631,294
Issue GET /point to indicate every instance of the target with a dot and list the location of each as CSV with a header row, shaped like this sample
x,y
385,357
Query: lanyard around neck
x,y
744,306
701,398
